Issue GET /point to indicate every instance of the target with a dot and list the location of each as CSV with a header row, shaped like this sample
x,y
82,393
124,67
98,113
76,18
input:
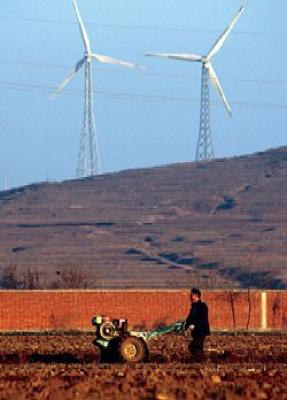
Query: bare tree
x,y
231,301
252,260
249,308
72,277
10,277
275,309
34,279
232,296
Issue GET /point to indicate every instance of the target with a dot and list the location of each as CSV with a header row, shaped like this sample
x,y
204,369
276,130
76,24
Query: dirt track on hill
x,y
58,367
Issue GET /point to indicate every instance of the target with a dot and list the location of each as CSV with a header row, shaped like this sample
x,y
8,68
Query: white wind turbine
x,y
88,158
204,150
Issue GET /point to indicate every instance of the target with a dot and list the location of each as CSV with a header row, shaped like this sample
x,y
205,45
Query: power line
x,y
141,72
141,27
131,96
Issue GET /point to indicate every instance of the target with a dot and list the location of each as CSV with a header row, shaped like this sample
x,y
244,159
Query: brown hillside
x,y
222,223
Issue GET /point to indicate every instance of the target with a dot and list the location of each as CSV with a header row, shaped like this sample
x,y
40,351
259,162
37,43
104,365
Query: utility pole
x,y
5,179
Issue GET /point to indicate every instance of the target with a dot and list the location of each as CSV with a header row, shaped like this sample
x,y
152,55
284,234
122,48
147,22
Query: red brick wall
x,y
234,309
277,310
29,310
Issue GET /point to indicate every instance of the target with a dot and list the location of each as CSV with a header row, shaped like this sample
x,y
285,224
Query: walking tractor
x,y
117,343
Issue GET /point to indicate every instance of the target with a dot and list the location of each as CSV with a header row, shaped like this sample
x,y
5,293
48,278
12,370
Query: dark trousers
x,y
196,348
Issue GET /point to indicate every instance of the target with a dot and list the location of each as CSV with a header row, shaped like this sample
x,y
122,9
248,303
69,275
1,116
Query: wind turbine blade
x,y
70,76
114,61
176,56
218,87
83,31
216,47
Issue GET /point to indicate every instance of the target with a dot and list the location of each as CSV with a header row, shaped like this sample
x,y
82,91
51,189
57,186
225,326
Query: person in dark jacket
x,y
198,322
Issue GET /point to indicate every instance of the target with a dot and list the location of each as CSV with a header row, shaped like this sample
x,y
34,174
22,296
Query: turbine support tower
x,y
204,149
89,157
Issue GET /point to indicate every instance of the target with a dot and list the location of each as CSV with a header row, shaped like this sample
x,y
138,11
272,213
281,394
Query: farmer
x,y
197,321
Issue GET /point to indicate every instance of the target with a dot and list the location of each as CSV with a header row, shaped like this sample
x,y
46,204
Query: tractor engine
x,y
107,329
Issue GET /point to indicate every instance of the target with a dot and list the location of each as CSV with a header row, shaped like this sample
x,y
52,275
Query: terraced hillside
x,y
222,223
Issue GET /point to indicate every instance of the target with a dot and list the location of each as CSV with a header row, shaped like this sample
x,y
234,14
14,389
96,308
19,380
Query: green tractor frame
x,y
118,344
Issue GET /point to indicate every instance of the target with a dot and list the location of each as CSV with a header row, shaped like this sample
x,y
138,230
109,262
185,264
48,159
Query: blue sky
x,y
144,118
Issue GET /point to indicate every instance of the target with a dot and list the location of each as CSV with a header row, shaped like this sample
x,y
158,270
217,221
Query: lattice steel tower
x,y
89,155
204,149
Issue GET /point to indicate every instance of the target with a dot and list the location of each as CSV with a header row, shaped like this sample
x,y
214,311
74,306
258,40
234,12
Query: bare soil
x,y
61,367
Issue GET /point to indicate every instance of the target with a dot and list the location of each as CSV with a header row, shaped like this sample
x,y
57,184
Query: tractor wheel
x,y
133,350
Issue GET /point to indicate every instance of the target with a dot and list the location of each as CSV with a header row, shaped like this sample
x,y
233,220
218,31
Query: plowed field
x,y
67,367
